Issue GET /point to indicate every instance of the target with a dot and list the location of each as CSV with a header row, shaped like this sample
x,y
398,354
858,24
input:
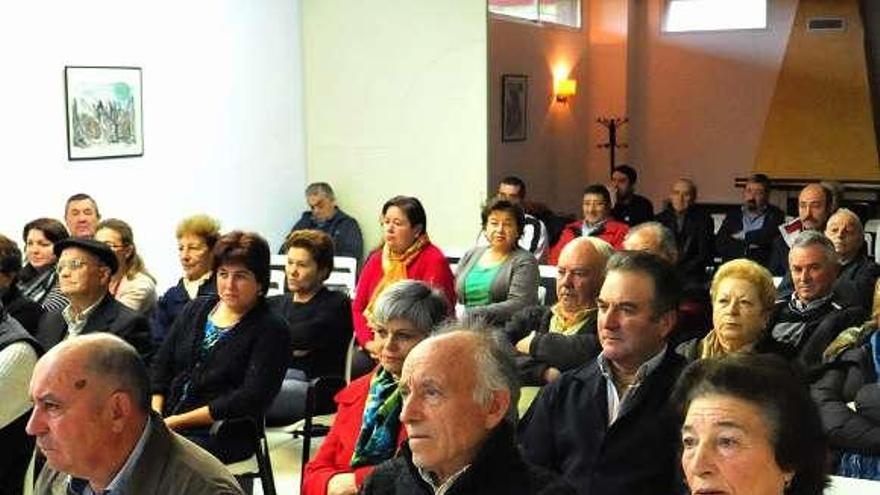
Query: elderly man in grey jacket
x,y
92,420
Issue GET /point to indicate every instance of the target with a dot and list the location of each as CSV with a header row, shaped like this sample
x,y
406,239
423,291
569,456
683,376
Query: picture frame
x,y
514,107
104,110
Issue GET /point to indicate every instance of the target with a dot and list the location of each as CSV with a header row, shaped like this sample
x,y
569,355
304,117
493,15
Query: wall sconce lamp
x,y
565,89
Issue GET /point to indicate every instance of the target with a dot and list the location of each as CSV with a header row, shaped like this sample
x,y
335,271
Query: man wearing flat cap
x,y
84,270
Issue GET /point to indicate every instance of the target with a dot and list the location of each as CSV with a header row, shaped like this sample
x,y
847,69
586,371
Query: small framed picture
x,y
104,112
514,98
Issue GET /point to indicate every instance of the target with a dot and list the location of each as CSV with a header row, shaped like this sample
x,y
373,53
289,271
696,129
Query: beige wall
x,y
820,123
395,103
698,101
553,158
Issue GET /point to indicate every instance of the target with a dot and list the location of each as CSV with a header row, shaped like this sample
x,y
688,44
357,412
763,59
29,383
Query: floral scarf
x,y
377,440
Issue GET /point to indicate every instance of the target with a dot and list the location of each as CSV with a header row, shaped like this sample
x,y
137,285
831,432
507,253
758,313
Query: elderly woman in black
x,y
226,354
38,280
749,426
848,395
319,319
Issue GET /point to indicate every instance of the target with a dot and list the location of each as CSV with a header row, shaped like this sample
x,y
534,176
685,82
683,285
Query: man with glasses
x,y
550,340
84,270
324,215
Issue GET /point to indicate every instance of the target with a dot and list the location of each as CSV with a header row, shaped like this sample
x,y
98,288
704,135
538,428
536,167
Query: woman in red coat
x,y
367,429
406,253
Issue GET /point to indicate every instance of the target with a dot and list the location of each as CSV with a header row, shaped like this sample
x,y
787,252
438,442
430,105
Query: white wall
x,y
223,126
396,104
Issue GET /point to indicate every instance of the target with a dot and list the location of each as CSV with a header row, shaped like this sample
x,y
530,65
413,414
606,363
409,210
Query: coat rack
x,y
612,123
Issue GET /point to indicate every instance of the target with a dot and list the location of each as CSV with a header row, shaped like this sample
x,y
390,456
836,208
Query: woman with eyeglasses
x,y
132,284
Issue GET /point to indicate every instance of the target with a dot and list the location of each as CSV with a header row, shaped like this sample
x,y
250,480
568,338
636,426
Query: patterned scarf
x,y
35,285
381,424
394,269
864,466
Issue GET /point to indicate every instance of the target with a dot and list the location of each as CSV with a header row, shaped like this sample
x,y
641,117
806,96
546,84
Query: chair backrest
x,y
872,229
344,275
342,278
277,278
547,284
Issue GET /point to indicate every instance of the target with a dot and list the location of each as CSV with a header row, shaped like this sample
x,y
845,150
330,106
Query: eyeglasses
x,y
115,247
74,265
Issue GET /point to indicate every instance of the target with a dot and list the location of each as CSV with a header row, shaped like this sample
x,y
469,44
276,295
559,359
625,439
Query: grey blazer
x,y
169,464
514,287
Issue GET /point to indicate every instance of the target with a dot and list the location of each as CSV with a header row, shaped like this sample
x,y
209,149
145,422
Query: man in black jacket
x,y
749,231
844,229
693,229
605,426
324,215
459,420
85,267
804,323
553,339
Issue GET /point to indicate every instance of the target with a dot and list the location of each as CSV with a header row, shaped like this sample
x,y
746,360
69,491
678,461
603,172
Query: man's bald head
x,y
654,238
104,358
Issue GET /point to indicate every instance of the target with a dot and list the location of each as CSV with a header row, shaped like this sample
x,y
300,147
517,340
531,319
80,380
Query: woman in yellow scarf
x,y
742,294
406,253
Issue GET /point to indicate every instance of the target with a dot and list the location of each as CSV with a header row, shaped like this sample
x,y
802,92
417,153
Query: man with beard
x,y
629,207
749,231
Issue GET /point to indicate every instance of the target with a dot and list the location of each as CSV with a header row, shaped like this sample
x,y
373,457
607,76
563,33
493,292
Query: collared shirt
x,y
446,485
118,485
753,221
75,323
568,326
614,400
192,286
588,229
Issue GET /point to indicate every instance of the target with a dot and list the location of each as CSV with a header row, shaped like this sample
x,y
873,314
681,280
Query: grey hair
x,y
322,188
113,359
414,301
852,215
809,238
494,363
668,247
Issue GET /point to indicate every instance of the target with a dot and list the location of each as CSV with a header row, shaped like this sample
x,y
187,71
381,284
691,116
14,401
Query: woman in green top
x,y
495,281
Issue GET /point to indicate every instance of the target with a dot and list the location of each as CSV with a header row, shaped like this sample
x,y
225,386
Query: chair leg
x,y
264,464
306,449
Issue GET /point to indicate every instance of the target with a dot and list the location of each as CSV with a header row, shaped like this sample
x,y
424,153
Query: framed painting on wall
x,y
104,112
514,93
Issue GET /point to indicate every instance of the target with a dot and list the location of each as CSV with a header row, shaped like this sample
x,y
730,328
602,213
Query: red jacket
x,y
429,266
334,456
613,233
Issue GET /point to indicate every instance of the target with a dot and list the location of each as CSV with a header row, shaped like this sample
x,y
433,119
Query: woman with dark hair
x,y
367,428
38,280
848,395
406,253
226,354
196,236
132,284
750,426
493,282
318,318
24,310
